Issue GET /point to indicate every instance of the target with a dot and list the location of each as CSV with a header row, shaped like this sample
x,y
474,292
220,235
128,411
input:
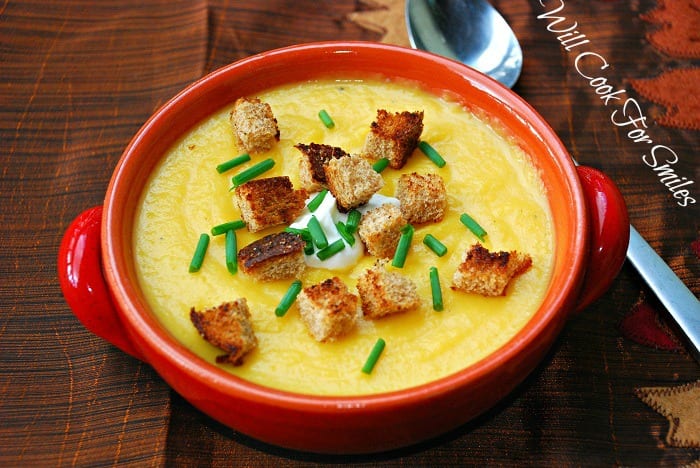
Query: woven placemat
x,y
678,27
675,90
681,406
674,31
644,325
677,34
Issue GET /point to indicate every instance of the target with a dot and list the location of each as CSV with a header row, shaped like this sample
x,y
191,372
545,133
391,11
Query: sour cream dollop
x,y
328,215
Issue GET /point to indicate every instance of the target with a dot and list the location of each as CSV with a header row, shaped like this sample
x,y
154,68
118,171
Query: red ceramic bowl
x,y
97,274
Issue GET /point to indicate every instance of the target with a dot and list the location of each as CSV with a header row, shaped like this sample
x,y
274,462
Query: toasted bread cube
x,y
274,257
229,327
393,136
352,181
254,125
383,292
314,157
422,197
488,273
380,230
328,309
267,202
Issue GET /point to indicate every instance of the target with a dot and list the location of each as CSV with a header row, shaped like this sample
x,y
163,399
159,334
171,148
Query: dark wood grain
x,y
78,78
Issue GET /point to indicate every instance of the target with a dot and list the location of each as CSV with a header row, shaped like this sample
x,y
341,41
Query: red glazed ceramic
x,y
97,274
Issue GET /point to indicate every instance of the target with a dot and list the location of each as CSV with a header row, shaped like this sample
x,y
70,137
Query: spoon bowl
x,y
470,31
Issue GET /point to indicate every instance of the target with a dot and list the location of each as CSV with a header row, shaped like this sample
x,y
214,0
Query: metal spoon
x,y
472,32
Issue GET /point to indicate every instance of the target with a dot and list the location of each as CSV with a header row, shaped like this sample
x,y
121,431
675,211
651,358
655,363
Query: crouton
x,y
380,230
393,136
328,309
314,157
422,197
352,181
383,292
275,256
267,202
254,125
488,273
227,326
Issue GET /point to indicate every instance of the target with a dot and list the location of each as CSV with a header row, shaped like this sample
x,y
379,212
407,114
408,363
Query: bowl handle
x,y
83,284
609,233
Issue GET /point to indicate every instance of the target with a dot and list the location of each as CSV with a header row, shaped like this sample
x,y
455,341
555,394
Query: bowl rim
x,y
158,346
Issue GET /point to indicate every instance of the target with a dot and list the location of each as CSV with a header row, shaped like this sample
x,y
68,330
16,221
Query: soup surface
x,y
486,175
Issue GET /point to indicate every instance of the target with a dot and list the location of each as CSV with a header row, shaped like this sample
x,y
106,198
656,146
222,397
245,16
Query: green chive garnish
x,y
304,233
237,161
381,164
231,252
317,234
435,245
435,289
199,252
224,228
431,153
332,249
288,299
404,244
473,226
252,172
343,231
374,356
317,200
326,119
353,221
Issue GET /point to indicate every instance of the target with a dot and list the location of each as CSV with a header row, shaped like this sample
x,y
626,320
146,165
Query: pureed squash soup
x,y
487,176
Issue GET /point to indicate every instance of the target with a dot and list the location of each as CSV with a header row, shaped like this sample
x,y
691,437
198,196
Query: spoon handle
x,y
680,301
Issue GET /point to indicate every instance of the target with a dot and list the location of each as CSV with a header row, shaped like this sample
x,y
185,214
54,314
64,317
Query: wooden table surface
x,y
77,80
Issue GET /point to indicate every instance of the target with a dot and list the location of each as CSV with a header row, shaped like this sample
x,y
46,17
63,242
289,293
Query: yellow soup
x,y
487,176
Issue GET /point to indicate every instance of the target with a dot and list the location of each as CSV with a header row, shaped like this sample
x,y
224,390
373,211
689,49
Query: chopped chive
x,y
304,233
435,289
309,248
225,227
330,250
237,161
435,245
404,244
381,164
374,356
317,234
353,221
231,252
288,298
252,172
199,252
473,226
343,231
326,119
317,200
431,153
